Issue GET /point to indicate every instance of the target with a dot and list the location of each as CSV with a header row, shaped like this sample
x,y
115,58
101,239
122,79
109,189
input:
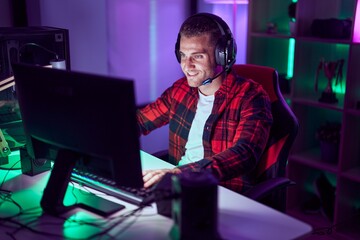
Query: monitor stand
x,y
55,190
95,204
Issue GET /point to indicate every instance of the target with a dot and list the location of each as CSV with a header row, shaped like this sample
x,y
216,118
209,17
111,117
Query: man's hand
x,y
152,177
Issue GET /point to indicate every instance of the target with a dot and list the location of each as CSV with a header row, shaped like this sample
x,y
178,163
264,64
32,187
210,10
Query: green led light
x,y
338,88
288,101
81,224
291,53
341,86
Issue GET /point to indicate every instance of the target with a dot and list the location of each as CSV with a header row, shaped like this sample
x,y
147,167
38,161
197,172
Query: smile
x,y
191,74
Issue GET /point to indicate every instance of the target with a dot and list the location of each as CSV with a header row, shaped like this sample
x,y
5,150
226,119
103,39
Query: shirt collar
x,y
227,83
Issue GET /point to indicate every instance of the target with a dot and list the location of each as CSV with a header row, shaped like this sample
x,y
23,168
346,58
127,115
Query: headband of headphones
x,y
225,49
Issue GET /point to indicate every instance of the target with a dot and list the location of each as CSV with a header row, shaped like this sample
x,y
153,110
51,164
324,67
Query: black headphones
x,y
225,49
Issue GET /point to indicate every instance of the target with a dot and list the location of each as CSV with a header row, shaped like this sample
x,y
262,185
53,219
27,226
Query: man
x,y
218,122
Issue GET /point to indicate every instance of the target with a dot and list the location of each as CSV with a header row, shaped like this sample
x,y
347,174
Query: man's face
x,y
197,59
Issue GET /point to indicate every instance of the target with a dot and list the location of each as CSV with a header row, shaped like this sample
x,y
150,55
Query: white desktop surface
x,y
239,217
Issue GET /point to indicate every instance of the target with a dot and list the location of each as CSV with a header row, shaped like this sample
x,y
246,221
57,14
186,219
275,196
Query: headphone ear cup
x,y
231,52
225,52
220,52
225,49
177,54
177,49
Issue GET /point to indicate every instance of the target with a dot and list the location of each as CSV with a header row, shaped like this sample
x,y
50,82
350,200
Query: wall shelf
x,y
312,158
317,104
273,49
270,35
352,174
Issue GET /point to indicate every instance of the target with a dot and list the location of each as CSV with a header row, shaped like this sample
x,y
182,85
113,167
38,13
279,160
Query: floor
x,y
322,233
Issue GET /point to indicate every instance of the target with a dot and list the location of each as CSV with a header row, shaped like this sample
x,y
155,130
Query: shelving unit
x,y
297,56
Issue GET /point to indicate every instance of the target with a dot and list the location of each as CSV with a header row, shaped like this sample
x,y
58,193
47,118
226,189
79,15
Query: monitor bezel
x,y
38,87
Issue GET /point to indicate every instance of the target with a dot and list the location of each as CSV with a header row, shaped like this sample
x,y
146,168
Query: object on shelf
x,y
292,11
329,136
329,132
331,69
331,28
329,152
292,16
271,27
305,163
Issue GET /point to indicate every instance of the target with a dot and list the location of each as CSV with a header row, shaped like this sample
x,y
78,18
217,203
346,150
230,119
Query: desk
x,y
239,217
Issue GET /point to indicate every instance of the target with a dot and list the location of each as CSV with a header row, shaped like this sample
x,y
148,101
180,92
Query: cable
x,y
27,226
10,169
39,46
31,216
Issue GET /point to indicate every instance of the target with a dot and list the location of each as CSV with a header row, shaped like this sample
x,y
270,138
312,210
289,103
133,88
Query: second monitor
x,y
71,116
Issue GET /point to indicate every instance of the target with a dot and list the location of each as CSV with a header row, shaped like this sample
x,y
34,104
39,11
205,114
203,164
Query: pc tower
x,y
31,45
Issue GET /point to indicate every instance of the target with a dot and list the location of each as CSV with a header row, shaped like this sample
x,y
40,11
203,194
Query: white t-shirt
x,y
194,150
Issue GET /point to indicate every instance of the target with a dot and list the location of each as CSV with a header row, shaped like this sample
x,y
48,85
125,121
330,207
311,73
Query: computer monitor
x,y
71,116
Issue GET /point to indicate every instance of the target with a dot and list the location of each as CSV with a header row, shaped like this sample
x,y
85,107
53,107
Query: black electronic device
x,y
32,45
225,49
73,117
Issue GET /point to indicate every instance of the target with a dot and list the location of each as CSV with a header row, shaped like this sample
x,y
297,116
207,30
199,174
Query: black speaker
x,y
195,211
31,166
225,49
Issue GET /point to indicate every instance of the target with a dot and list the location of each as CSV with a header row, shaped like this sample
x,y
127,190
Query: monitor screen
x,y
72,116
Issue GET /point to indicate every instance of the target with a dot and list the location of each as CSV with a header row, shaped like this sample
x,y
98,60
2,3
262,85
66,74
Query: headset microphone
x,y
209,80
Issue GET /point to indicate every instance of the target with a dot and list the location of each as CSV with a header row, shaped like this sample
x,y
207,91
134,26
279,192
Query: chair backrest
x,y
285,125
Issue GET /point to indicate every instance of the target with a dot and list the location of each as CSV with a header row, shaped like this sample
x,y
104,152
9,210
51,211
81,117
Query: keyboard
x,y
137,196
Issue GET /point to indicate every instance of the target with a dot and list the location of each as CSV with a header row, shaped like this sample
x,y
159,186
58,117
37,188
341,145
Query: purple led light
x,y
356,36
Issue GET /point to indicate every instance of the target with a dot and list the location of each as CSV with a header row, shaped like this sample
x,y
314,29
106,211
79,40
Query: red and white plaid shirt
x,y
235,134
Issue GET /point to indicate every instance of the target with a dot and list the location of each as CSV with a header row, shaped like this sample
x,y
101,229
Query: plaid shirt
x,y
235,134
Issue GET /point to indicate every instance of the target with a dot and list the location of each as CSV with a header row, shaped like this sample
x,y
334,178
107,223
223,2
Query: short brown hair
x,y
200,24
